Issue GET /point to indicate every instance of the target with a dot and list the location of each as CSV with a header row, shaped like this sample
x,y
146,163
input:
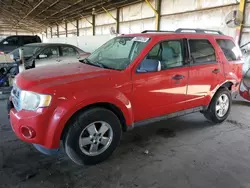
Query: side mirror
x,y
149,65
42,56
5,43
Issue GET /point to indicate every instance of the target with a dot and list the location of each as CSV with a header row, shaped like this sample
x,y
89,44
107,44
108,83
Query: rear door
x,y
205,71
68,54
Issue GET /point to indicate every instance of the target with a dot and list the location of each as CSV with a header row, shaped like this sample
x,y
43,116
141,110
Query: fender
x,y
68,106
231,78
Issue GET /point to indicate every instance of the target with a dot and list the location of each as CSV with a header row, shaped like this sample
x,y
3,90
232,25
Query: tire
x,y
82,128
212,113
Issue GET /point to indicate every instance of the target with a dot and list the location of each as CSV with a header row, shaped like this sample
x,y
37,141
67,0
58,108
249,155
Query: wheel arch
x,y
109,106
227,85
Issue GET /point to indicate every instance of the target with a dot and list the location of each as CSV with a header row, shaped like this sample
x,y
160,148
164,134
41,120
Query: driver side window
x,y
169,53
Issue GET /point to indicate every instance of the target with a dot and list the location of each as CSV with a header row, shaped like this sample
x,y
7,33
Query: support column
x,y
158,16
242,8
77,28
93,24
117,20
51,32
66,29
57,30
157,12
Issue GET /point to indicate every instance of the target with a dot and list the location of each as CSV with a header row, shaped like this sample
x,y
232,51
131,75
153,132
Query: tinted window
x,y
68,51
11,41
51,52
202,51
169,53
231,52
28,40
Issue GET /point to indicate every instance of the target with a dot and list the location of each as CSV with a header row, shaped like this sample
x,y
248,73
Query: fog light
x,y
28,132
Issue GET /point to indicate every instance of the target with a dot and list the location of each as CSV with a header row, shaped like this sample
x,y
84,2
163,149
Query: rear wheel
x,y
220,106
93,136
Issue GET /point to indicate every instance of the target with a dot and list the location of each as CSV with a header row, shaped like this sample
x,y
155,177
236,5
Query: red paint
x,y
138,96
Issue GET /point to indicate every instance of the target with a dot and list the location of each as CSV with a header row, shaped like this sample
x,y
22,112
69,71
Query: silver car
x,y
45,54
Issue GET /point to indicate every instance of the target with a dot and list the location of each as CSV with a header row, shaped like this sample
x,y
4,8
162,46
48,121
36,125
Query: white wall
x,y
175,14
86,43
209,19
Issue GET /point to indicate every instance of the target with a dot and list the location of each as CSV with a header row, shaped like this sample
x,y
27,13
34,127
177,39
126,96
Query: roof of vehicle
x,y
22,36
48,44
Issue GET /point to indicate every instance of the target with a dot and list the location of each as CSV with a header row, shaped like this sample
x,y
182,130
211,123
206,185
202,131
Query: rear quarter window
x,y
230,50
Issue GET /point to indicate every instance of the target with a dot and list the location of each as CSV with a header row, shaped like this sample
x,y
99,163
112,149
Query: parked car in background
x,y
10,43
44,54
130,81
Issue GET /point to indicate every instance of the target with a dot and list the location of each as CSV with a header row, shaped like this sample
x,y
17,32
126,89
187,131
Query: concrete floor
x,y
183,152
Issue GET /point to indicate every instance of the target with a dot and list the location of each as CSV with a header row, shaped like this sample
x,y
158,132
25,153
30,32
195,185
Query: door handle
x,y
216,71
178,77
58,60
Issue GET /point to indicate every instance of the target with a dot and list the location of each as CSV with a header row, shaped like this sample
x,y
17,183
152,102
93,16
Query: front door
x,y
161,92
48,56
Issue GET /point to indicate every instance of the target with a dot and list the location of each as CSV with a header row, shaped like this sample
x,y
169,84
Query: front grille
x,y
16,97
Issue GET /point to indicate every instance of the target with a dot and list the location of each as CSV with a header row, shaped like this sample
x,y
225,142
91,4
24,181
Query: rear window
x,y
202,51
230,50
30,39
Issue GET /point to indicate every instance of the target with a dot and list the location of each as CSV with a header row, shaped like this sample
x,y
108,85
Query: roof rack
x,y
186,30
191,30
155,31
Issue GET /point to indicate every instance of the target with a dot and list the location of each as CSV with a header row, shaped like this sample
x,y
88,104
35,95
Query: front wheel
x,y
93,136
220,106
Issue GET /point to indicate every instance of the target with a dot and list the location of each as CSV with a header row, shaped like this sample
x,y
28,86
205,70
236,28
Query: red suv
x,y
131,80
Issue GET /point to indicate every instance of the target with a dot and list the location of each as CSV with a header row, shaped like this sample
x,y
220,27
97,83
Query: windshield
x,y
28,51
118,53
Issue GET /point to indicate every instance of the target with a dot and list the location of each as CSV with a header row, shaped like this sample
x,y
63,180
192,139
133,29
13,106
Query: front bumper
x,y
37,121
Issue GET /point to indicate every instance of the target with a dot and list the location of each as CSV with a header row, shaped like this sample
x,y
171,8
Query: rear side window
x,y
202,51
28,40
68,51
230,50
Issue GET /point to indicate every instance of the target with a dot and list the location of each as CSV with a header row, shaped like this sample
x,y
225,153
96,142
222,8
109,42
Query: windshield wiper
x,y
107,67
86,61
97,64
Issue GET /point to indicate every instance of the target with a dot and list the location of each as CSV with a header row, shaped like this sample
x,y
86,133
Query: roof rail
x,y
191,30
155,31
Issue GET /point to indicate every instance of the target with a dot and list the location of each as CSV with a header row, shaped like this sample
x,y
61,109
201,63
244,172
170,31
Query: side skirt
x,y
169,116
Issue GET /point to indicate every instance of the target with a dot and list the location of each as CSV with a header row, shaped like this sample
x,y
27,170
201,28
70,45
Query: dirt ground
x,y
182,152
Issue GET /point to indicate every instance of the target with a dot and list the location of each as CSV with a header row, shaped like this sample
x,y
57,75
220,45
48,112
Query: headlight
x,y
32,101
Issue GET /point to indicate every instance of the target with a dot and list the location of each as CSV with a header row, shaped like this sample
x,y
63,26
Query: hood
x,y
59,74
